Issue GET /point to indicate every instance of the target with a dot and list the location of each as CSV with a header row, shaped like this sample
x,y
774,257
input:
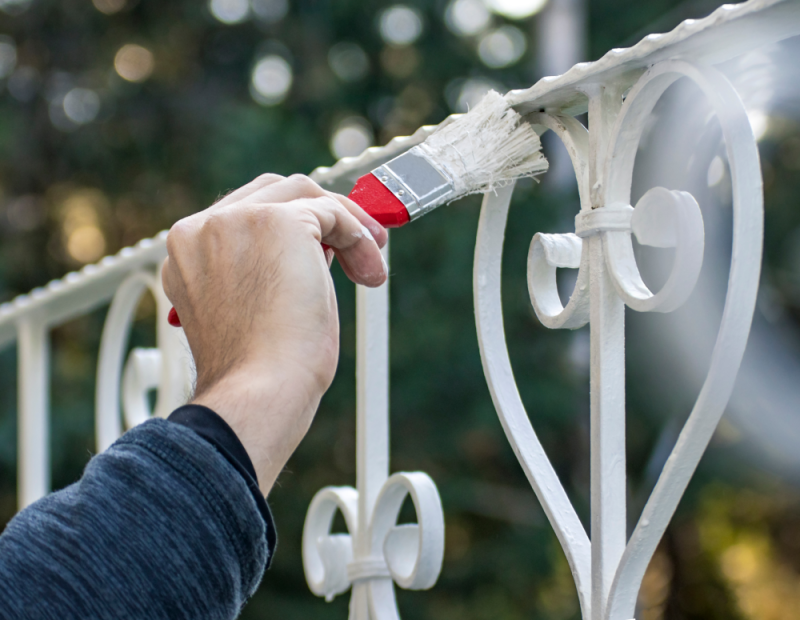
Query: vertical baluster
x,y
33,458
607,321
372,419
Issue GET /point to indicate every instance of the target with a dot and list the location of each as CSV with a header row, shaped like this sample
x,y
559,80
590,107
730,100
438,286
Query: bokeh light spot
x,y
59,118
229,11
400,25
348,61
15,7
24,84
400,62
271,80
270,11
81,105
8,56
26,212
463,95
516,9
352,136
759,121
83,238
466,18
134,62
109,7
502,47
86,244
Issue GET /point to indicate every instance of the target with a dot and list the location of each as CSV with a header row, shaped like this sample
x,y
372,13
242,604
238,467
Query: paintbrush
x,y
486,148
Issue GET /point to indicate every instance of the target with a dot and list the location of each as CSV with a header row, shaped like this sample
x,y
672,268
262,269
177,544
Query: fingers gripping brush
x,y
489,147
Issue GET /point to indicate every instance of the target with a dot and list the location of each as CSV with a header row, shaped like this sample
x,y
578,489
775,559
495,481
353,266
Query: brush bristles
x,y
487,148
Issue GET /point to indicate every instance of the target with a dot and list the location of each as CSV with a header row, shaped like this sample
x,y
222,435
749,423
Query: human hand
x,y
250,281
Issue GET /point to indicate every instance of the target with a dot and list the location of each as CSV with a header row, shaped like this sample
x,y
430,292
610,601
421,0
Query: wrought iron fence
x,y
619,92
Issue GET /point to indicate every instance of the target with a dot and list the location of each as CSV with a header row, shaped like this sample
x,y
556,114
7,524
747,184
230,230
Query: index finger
x,y
379,233
300,186
256,185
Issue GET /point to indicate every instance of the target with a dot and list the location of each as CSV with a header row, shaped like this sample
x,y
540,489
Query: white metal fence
x,y
619,92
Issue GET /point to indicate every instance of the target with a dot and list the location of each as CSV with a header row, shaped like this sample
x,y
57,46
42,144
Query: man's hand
x,y
251,284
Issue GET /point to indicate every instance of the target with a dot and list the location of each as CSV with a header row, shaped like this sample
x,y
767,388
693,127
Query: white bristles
x,y
488,147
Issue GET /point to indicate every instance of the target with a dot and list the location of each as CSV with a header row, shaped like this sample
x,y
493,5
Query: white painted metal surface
x,y
34,389
167,367
662,218
376,553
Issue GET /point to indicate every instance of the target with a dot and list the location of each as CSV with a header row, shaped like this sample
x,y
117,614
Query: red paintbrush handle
x,y
376,199
173,318
372,196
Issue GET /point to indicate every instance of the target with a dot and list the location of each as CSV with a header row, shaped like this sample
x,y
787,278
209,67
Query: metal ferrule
x,y
415,182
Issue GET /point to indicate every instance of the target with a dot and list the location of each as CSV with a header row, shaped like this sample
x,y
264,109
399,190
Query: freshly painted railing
x,y
619,92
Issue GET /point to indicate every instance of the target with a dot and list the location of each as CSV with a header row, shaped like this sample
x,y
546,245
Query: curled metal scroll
x,y
548,252
165,367
748,214
142,374
409,555
661,218
494,353
664,219
326,555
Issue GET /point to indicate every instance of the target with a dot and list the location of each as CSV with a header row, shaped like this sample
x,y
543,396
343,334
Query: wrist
x,y
269,412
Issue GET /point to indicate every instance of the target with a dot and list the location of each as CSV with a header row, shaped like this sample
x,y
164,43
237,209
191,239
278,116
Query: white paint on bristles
x,y
486,149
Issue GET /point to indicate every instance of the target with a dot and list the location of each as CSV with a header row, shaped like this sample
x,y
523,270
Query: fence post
x,y
33,420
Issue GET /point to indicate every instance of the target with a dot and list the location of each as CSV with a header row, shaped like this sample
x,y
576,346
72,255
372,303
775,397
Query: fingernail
x,y
367,233
385,266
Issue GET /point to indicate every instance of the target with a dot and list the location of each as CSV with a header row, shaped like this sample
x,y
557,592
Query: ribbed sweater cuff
x,y
213,429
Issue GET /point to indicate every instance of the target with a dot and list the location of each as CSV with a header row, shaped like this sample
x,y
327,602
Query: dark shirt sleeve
x,y
166,523
216,431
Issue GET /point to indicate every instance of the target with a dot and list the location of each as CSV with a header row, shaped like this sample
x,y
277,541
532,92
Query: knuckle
x,y
305,184
213,223
177,234
268,178
166,277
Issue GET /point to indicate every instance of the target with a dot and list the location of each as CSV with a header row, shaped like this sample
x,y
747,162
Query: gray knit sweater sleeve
x,y
161,525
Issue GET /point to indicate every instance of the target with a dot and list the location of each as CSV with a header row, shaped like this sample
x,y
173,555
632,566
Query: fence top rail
x,y
79,291
729,31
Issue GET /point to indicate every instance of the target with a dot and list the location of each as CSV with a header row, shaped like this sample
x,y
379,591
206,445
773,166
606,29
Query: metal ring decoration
x,y
325,555
544,257
743,159
142,374
662,218
548,252
410,555
116,330
413,553
163,366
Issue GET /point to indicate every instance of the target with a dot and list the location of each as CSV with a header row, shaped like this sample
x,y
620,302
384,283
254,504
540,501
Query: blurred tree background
x,y
118,117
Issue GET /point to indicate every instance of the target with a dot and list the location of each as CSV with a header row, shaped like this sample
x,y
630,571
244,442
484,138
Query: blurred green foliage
x,y
167,146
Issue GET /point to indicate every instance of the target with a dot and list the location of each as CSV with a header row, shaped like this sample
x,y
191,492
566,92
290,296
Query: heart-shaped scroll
x,y
662,218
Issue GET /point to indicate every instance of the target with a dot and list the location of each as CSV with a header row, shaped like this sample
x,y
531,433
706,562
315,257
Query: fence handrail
x,y
728,31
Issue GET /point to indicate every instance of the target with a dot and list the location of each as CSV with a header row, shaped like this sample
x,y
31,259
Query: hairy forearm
x,y
264,407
